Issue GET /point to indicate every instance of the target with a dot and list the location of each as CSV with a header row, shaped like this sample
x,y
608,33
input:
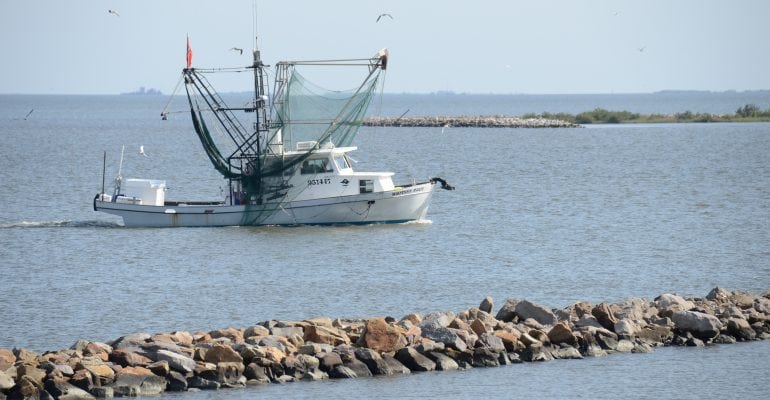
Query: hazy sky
x,y
478,46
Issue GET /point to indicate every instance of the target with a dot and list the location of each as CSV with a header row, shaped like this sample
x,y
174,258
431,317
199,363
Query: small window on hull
x,y
366,185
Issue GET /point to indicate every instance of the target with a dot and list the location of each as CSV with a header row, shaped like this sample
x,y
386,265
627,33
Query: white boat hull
x,y
393,206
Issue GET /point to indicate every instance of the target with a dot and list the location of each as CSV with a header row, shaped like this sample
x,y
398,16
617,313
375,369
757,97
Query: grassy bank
x,y
747,113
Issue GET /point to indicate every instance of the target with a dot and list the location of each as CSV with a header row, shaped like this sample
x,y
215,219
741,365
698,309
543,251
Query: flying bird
x,y
28,114
641,49
141,151
113,12
383,15
237,49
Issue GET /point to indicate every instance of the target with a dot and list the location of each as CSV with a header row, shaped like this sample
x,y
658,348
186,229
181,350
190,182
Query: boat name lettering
x,y
322,181
407,191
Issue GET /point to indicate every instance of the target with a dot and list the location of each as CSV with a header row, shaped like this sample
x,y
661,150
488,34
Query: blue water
x,y
551,215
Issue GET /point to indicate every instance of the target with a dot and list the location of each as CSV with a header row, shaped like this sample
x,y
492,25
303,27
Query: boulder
x,y
669,303
26,388
492,342
625,328
256,331
484,357
138,381
562,333
342,372
62,390
701,325
324,334
373,361
287,331
357,366
510,339
233,334
6,381
412,359
222,353
127,358
176,382
507,312
83,379
382,337
487,305
719,295
25,355
133,340
443,362
176,362
394,366
197,382
567,352
329,360
740,329
605,316
7,358
450,337
525,309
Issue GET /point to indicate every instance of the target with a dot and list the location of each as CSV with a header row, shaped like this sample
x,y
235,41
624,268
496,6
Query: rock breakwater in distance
x,y
494,121
272,351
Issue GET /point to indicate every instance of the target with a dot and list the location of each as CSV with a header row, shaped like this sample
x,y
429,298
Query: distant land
x,y
142,91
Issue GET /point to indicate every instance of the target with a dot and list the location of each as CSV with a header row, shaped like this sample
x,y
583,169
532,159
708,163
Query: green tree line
x,y
746,113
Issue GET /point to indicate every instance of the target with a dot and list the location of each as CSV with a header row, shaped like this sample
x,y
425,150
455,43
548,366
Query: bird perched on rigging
x,y
383,15
237,49
113,12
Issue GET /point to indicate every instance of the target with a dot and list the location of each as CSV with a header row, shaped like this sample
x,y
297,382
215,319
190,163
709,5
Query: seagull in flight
x,y
113,12
238,49
28,114
383,15
141,151
641,49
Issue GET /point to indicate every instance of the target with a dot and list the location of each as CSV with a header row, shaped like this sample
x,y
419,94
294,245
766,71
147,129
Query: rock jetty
x,y
142,364
493,121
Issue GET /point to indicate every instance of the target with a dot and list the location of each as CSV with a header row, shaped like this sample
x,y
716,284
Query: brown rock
x,y
328,335
139,371
605,316
83,379
413,318
382,337
7,358
222,353
478,327
160,368
94,349
562,333
32,372
236,335
274,354
127,358
25,355
509,338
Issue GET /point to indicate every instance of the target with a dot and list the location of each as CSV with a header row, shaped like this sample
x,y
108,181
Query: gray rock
x,y
342,372
176,382
567,352
132,340
329,361
487,304
669,303
412,359
507,312
448,336
314,374
702,326
740,329
625,328
373,361
587,320
490,341
103,392
197,382
65,391
6,382
176,362
138,385
484,357
624,346
394,366
358,366
256,330
525,309
535,352
443,361
287,331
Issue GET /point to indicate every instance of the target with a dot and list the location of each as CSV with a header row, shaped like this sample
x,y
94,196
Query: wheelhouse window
x,y
341,161
366,185
315,166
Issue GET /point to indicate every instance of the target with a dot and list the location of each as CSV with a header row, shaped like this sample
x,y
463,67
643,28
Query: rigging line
x,y
176,88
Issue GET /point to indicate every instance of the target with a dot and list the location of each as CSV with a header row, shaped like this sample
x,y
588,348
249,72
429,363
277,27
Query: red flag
x,y
189,53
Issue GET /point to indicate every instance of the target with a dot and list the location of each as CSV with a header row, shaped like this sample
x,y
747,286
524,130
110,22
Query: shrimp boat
x,y
291,167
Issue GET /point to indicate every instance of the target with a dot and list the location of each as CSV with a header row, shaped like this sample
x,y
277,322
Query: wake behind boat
x,y
292,168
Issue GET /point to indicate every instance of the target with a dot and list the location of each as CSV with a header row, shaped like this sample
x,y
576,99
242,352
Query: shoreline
x,y
142,364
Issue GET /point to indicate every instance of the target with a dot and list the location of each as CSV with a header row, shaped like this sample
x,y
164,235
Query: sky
x,y
480,46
